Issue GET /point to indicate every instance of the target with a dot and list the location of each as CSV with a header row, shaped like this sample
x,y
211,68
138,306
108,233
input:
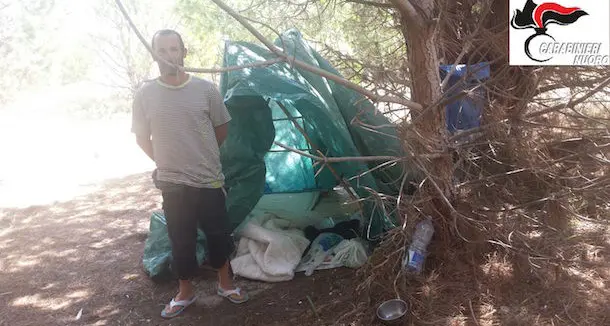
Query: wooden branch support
x,y
293,61
188,69
341,181
350,158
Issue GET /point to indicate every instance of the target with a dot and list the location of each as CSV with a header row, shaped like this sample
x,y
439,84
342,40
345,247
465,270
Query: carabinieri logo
x,y
540,16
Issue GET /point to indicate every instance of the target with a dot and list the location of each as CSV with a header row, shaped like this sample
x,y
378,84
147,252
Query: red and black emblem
x,y
540,16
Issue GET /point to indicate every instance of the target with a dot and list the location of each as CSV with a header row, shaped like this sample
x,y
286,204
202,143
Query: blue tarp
x,y
465,112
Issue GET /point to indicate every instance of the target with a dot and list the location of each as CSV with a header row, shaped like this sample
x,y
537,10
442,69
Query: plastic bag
x,y
320,254
158,249
351,253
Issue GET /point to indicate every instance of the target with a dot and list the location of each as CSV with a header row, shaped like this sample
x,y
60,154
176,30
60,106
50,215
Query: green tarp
x,y
253,165
158,249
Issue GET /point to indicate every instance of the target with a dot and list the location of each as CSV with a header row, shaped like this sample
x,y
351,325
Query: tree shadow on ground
x,y
542,267
86,254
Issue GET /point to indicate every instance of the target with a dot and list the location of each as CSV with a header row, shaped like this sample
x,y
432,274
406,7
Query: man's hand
x,y
221,133
145,144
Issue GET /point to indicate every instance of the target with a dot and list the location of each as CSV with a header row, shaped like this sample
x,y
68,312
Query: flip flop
x,y
182,303
236,295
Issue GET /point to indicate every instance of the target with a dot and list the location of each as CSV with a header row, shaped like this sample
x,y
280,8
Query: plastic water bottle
x,y
414,261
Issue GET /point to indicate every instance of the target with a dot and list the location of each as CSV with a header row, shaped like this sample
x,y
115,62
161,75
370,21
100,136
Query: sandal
x,y
183,304
236,295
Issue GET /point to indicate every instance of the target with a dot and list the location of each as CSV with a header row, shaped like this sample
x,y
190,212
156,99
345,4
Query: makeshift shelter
x,y
302,110
267,102
283,104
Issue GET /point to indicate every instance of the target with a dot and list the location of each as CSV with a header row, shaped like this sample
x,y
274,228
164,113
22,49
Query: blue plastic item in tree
x,y
465,112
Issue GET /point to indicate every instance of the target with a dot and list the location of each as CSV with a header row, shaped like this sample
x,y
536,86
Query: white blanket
x,y
269,250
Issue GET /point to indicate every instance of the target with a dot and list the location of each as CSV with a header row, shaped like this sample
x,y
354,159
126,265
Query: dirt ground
x,y
86,254
80,247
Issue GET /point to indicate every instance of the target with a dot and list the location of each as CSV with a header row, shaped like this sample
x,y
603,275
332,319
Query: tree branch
x,y
198,70
339,159
315,70
372,3
326,159
411,10
571,103
569,84
339,179
404,7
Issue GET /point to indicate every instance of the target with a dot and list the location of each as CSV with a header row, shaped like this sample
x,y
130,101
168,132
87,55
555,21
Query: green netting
x,y
253,166
299,176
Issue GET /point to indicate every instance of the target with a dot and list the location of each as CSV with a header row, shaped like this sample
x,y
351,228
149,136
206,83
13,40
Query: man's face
x,y
168,47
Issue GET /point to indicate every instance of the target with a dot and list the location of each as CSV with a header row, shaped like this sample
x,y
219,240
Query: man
x,y
180,121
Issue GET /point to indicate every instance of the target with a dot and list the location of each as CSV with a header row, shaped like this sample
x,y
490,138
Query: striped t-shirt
x,y
181,120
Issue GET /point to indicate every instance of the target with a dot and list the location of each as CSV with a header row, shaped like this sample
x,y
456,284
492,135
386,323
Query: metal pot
x,y
392,312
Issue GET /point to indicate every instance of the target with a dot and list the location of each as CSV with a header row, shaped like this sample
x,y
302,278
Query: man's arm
x,y
221,133
140,125
219,115
145,144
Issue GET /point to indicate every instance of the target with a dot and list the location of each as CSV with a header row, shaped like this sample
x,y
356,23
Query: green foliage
x,y
26,44
126,59
58,42
351,36
205,26
378,48
76,67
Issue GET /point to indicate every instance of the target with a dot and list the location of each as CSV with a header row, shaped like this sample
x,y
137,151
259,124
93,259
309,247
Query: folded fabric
x,y
269,250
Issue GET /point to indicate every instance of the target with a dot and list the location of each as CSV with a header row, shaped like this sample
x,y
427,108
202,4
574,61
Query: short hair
x,y
164,32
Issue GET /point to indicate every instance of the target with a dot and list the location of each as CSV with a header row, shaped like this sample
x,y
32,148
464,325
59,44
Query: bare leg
x,y
185,292
226,286
224,277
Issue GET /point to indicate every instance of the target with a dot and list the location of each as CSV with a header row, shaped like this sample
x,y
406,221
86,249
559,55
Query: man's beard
x,y
167,70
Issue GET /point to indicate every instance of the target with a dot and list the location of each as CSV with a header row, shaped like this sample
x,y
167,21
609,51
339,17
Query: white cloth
x,y
269,250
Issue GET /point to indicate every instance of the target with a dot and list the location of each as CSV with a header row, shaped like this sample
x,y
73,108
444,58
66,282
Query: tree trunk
x,y
520,83
428,133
